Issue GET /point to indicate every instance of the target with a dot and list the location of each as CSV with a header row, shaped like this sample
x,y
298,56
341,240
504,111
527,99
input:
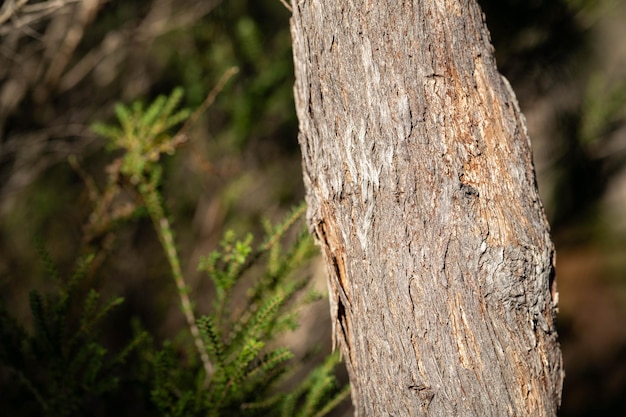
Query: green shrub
x,y
231,365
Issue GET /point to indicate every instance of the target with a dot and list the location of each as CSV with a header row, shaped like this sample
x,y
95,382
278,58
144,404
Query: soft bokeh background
x,y
64,64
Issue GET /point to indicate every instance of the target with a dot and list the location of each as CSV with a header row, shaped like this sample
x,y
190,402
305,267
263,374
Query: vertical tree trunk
x,y
422,194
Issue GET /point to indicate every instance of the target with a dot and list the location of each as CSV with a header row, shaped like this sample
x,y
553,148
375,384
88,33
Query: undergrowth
x,y
62,367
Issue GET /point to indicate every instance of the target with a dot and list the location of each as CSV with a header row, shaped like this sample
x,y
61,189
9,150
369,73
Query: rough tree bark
x,y
422,195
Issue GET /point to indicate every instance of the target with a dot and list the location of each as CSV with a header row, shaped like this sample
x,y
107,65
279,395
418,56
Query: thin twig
x,y
209,100
166,236
287,6
10,8
29,14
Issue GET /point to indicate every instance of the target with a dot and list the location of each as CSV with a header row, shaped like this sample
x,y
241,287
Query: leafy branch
x,y
144,135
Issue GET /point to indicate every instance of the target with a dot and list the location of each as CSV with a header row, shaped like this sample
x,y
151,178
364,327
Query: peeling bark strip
x,y
422,194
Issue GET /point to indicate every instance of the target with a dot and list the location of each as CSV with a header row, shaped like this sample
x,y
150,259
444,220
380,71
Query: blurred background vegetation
x,y
64,64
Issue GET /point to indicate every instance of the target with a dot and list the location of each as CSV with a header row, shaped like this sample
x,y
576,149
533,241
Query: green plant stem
x,y
28,384
166,237
343,394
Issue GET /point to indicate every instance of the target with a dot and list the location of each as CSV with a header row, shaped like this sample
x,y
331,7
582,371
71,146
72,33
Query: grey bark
x,y
422,194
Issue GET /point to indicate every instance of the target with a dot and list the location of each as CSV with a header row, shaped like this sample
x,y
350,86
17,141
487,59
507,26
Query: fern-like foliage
x,y
61,366
144,133
236,368
247,373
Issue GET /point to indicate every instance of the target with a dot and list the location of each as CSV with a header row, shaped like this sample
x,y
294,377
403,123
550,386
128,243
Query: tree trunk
x,y
422,194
